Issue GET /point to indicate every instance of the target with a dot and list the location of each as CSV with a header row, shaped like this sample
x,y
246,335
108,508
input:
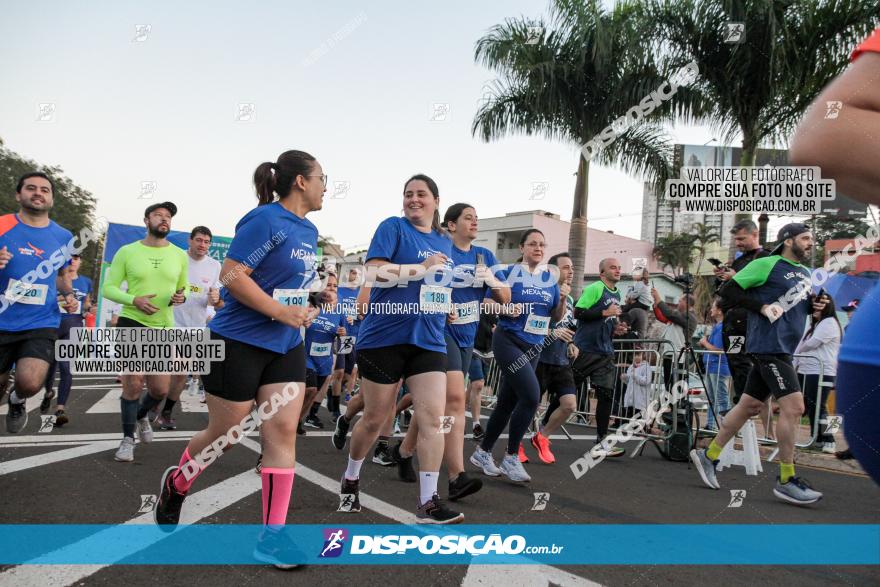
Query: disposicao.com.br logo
x,y
402,544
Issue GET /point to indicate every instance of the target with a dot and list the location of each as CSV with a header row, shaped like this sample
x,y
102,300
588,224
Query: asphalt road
x,y
68,476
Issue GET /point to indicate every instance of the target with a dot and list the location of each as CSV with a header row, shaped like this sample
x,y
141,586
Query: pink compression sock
x,y
181,483
277,485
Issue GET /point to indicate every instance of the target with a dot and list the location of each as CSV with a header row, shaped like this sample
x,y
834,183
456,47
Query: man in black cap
x,y
157,274
777,292
733,329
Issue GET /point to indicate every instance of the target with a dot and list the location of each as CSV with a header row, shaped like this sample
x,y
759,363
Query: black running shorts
x,y
314,380
247,368
386,365
772,375
37,343
555,379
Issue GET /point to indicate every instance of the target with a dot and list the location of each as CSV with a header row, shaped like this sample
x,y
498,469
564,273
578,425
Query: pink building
x,y
501,235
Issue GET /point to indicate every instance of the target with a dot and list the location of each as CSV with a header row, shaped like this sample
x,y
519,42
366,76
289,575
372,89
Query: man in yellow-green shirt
x,y
156,272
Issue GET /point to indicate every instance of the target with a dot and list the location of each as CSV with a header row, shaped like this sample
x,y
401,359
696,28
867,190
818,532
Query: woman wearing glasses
x,y
268,270
517,345
401,337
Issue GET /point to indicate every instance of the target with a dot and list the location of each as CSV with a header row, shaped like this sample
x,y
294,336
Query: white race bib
x,y
435,299
291,297
21,293
320,349
467,313
346,345
537,324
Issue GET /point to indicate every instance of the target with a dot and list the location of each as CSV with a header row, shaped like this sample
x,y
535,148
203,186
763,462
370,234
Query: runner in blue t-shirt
x,y
321,336
517,344
82,288
777,292
473,281
32,251
268,271
345,371
401,337
554,368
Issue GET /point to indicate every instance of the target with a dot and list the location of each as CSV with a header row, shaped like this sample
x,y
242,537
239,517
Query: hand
x,y
620,328
819,304
655,294
451,317
5,256
340,331
772,312
143,304
724,273
311,314
438,259
213,296
573,352
482,275
612,310
350,320
70,304
293,316
564,290
703,342
565,334
178,298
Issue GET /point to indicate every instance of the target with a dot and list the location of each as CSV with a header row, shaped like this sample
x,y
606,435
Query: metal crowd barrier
x,y
655,351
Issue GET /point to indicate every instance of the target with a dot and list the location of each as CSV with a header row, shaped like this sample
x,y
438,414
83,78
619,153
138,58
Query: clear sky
x,y
353,83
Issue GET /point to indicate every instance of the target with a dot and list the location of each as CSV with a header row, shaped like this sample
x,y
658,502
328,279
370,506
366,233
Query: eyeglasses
x,y
323,178
536,245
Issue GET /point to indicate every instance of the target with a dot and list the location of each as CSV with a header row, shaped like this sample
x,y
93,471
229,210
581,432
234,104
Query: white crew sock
x,y
14,399
427,486
353,471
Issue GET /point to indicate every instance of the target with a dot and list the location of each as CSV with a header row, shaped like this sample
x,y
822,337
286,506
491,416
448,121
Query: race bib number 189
x,y
435,299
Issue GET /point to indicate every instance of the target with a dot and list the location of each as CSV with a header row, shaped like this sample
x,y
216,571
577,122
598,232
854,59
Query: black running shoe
x,y
167,511
47,402
349,487
16,417
463,486
382,457
300,431
338,438
314,422
276,548
61,418
478,433
436,512
405,471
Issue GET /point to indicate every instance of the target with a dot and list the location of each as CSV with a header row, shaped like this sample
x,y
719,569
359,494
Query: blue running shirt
x,y
319,340
531,326
466,300
281,248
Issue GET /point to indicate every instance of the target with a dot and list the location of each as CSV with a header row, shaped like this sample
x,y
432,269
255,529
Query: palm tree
x,y
704,235
759,88
675,251
587,68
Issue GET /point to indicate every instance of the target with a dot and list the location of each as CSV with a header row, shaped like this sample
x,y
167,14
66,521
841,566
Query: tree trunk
x,y
747,159
577,235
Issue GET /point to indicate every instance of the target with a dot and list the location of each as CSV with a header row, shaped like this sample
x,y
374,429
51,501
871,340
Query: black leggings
x,y
518,395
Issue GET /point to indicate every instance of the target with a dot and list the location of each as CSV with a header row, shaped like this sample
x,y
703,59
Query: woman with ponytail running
x,y
267,273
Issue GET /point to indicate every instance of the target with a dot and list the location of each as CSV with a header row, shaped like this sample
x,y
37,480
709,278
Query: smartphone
x,y
716,262
481,259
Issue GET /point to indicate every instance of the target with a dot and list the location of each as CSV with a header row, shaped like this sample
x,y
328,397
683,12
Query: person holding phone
x,y
157,273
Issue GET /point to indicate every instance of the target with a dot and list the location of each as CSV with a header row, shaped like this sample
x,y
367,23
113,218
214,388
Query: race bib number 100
x,y
291,297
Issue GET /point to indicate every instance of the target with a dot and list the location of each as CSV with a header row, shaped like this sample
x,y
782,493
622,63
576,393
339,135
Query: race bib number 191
x,y
537,324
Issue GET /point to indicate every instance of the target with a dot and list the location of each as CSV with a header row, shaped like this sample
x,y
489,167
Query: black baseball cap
x,y
788,231
167,205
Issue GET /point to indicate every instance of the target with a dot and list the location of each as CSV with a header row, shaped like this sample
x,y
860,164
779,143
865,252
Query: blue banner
x,y
571,544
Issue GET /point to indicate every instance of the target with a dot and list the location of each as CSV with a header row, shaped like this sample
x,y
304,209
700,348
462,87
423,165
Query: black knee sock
x,y
313,411
603,414
383,442
128,409
147,403
169,406
336,400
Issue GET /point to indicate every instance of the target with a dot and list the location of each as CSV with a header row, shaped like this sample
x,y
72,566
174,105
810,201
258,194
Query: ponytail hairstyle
x,y
453,213
525,237
278,178
432,187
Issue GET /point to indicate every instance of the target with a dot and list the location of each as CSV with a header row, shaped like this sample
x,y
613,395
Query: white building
x,y
659,220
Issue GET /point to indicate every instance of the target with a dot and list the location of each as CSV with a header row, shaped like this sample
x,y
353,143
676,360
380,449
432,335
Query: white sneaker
x,y
144,430
829,447
125,452
513,469
484,461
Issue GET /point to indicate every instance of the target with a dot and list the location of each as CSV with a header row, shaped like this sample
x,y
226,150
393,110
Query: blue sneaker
x,y
796,491
706,468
